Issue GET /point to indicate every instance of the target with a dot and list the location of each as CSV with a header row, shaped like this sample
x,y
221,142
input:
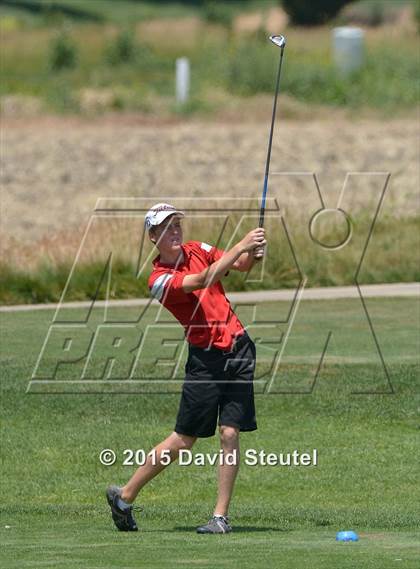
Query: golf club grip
x,y
262,212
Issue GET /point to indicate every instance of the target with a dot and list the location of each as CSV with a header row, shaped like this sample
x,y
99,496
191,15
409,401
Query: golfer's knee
x,y
184,441
229,436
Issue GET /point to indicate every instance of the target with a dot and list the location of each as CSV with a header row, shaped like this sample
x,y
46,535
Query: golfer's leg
x,y
174,443
229,441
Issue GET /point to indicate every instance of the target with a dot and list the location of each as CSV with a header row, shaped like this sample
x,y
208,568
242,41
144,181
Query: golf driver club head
x,y
279,41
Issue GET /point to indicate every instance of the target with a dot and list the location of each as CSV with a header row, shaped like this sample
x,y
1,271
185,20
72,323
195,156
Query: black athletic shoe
x,y
216,525
123,519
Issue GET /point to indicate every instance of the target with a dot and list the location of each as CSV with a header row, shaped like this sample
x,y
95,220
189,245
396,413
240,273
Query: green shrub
x,y
251,69
218,13
47,283
310,13
417,14
127,50
376,14
63,52
385,81
123,49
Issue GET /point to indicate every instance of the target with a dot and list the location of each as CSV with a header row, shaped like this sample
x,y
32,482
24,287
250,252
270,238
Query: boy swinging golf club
x,y
218,386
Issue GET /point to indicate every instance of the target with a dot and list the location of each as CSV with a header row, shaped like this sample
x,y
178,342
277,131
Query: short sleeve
x,y
167,288
212,253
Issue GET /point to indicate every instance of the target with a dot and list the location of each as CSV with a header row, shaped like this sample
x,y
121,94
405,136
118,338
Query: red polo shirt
x,y
205,314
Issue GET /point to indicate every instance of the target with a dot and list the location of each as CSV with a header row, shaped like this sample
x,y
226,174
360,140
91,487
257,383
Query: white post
x,y
348,47
182,80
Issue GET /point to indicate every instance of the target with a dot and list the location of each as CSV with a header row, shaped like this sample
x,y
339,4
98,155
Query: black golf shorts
x,y
218,389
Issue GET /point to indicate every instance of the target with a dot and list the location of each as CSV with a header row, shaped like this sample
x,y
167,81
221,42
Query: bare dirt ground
x,y
54,169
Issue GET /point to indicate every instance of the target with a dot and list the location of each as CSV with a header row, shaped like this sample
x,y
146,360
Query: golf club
x,y
280,42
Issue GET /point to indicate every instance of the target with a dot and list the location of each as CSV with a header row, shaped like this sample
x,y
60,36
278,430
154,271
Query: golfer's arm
x,y
245,262
214,272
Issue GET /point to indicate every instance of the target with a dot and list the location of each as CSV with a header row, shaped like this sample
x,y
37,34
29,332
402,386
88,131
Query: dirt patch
x,y
53,170
20,106
182,32
273,21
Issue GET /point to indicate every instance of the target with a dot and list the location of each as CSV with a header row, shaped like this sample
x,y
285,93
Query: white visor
x,y
159,213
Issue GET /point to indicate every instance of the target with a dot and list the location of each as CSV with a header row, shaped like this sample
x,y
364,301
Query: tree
x,y
310,13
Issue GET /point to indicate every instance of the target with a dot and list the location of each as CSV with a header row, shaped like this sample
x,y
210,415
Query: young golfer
x,y
218,386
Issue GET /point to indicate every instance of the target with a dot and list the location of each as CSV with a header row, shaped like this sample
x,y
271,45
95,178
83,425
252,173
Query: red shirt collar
x,y
157,262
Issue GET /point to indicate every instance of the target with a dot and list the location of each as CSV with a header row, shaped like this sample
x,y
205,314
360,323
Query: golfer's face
x,y
169,234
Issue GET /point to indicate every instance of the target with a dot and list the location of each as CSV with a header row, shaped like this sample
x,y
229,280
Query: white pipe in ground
x,y
182,80
348,49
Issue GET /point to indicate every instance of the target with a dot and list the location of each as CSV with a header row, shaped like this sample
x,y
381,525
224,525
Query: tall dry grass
x,y
39,272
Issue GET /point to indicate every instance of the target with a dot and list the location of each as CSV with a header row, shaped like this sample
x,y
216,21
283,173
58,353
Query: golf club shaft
x,y
270,142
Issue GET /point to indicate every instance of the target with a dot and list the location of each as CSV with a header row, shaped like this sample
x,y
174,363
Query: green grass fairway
x,y
53,510
78,543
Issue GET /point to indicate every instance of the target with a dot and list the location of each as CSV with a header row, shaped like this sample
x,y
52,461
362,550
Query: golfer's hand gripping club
x,y
259,252
254,241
